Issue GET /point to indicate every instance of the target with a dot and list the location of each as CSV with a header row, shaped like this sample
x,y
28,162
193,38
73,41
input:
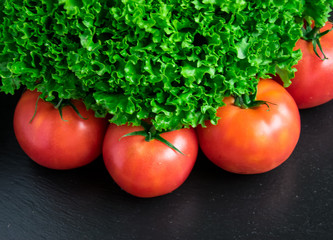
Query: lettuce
x,y
172,61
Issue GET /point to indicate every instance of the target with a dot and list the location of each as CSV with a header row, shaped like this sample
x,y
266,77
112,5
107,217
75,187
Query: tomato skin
x,y
52,142
149,169
313,81
251,141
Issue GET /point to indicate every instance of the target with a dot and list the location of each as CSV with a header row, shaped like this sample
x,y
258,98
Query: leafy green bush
x,y
172,61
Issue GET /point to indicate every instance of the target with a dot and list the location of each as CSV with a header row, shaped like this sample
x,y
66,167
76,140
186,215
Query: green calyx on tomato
x,y
313,35
59,104
151,133
248,101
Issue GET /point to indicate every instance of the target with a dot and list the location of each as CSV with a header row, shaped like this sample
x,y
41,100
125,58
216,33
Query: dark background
x,y
294,201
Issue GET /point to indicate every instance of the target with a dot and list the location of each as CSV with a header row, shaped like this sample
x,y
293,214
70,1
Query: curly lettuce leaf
x,y
172,61
318,11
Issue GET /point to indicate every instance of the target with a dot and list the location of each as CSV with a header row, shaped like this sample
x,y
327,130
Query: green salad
x,y
170,61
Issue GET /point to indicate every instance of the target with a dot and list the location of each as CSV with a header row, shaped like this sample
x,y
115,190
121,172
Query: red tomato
x,y
52,142
313,82
256,140
149,169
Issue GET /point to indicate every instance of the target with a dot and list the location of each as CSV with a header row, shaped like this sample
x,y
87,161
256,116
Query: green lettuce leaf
x,y
172,61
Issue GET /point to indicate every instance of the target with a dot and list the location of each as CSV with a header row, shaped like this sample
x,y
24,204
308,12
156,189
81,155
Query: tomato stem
x,y
151,133
58,105
35,112
248,101
313,35
66,102
76,110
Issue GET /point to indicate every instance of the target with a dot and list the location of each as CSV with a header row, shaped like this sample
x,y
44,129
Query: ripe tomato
x,y
149,169
55,143
254,140
313,82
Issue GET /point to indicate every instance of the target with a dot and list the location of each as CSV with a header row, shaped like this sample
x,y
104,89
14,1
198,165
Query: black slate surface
x,y
294,201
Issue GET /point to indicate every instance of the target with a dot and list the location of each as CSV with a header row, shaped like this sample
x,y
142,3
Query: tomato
x,y
57,143
253,140
313,82
149,168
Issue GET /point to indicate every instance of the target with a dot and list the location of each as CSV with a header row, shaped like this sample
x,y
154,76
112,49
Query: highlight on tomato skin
x,y
54,141
255,140
149,168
